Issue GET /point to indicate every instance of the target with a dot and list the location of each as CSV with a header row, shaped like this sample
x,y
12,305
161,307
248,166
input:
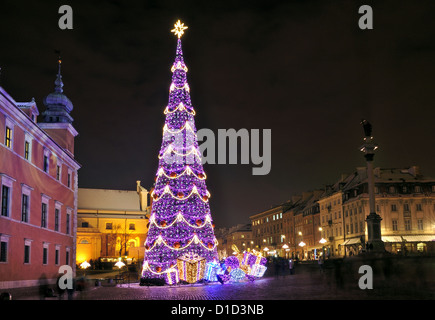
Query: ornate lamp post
x,y
373,219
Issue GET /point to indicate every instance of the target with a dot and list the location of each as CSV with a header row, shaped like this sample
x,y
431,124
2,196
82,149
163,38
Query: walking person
x,y
321,264
291,266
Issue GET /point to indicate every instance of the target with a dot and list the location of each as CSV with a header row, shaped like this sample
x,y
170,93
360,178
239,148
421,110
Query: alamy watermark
x,y
366,280
66,280
229,147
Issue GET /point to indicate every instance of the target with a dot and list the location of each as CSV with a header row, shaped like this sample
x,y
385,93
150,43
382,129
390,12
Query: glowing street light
x,y
85,265
322,241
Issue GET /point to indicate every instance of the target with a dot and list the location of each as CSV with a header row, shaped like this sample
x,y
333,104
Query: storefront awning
x,y
392,239
352,241
419,238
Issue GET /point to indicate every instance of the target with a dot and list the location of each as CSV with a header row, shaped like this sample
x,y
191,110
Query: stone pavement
x,y
308,283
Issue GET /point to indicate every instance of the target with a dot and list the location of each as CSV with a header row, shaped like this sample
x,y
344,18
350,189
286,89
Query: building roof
x,y
105,199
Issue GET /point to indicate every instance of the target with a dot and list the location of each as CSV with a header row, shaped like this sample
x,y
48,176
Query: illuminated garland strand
x,y
180,218
173,86
179,65
147,266
194,191
187,171
180,107
194,239
186,126
170,148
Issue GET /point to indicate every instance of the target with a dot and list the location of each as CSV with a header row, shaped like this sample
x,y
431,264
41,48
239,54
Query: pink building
x,y
38,189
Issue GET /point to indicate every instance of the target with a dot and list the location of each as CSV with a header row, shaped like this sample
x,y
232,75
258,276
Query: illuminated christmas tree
x,y
180,222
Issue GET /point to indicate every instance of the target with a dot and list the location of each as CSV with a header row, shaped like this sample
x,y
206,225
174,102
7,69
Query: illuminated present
x,y
172,276
246,269
237,274
254,257
191,267
258,270
232,262
212,270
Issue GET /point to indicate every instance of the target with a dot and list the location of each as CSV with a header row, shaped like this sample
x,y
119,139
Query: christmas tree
x,y
180,221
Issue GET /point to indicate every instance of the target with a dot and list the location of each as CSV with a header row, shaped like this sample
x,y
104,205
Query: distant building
x,y
332,221
270,230
405,200
111,224
38,184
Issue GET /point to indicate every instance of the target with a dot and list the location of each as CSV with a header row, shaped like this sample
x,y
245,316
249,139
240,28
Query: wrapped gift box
x,y
251,258
172,276
191,267
212,270
257,270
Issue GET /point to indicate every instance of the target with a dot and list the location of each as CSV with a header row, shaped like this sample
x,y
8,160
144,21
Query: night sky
x,y
300,68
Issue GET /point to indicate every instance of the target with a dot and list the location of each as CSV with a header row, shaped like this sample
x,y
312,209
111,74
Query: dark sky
x,y
300,68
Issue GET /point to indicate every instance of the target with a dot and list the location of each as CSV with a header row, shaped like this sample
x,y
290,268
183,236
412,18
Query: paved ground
x,y
336,282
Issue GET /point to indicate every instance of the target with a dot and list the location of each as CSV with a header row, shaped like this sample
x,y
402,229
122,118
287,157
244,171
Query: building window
x,y
45,163
44,215
26,150
406,207
5,201
56,219
68,217
26,253
393,207
67,256
394,225
69,180
25,208
376,190
45,254
108,225
8,137
132,226
407,224
420,224
392,189
4,241
57,172
419,207
86,225
56,255
417,189
404,189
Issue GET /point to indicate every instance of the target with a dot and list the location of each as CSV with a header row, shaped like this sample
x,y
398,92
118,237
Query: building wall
x,y
111,224
28,177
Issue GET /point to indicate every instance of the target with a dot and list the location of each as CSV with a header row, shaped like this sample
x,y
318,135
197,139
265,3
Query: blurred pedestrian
x,y
291,265
321,264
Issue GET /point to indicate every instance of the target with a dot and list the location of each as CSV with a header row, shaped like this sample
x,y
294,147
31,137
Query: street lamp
x,y
266,249
285,247
84,265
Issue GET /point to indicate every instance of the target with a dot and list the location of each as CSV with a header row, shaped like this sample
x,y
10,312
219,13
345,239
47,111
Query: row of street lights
x,y
302,244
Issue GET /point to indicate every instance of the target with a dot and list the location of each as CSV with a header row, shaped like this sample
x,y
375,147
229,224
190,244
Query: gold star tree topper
x,y
179,29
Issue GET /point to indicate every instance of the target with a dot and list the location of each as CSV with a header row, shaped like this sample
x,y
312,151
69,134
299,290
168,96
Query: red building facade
x,y
38,189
